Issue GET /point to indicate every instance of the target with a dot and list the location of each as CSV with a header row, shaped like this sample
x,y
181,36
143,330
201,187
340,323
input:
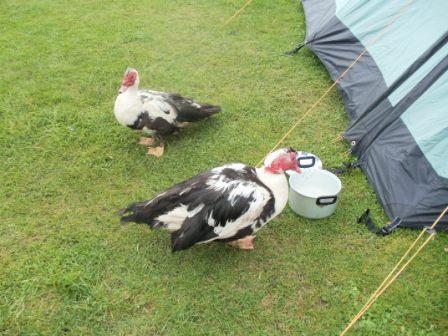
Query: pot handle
x,y
302,165
326,200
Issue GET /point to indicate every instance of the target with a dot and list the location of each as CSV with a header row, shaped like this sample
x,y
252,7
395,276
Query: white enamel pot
x,y
314,193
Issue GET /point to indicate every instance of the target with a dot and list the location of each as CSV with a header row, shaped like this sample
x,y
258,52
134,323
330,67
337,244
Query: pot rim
x,y
315,171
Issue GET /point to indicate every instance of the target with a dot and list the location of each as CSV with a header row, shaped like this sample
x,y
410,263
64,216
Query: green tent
x,y
396,96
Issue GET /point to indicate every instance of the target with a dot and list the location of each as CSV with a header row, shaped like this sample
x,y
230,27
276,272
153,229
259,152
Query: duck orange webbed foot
x,y
146,141
246,243
157,151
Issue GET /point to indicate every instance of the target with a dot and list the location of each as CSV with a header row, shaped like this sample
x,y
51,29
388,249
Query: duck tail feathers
x,y
210,109
137,213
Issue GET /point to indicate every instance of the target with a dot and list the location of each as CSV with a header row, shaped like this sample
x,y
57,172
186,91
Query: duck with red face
x,y
158,114
225,204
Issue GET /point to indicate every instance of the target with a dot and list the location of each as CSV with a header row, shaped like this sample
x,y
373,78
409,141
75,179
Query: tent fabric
x,y
396,96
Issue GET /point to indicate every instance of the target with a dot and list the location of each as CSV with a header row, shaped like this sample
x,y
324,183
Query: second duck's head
x,y
130,80
282,160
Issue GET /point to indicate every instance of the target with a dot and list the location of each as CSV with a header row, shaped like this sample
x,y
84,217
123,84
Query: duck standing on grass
x,y
225,204
156,113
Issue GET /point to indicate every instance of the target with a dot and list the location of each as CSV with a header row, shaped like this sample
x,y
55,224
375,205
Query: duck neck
x,y
128,106
278,184
131,91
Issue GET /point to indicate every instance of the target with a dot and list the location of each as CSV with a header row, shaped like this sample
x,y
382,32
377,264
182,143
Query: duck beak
x,y
296,168
123,88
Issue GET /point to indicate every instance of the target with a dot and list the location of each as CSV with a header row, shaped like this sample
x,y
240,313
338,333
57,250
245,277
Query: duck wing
x,y
187,110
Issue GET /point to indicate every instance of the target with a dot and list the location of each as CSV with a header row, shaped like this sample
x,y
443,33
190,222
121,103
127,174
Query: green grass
x,y
66,265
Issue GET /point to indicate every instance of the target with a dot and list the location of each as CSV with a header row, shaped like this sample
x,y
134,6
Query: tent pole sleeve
x,y
400,80
407,101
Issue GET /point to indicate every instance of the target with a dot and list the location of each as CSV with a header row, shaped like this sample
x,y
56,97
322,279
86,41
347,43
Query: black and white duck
x,y
225,204
158,114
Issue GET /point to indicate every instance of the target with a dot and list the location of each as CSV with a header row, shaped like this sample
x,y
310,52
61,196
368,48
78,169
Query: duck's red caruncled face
x,y
287,161
128,80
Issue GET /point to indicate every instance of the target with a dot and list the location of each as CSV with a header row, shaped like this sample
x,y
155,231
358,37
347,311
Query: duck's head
x,y
130,80
282,160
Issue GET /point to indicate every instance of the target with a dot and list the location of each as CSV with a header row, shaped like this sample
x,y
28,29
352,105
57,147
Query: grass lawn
x,y
67,267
